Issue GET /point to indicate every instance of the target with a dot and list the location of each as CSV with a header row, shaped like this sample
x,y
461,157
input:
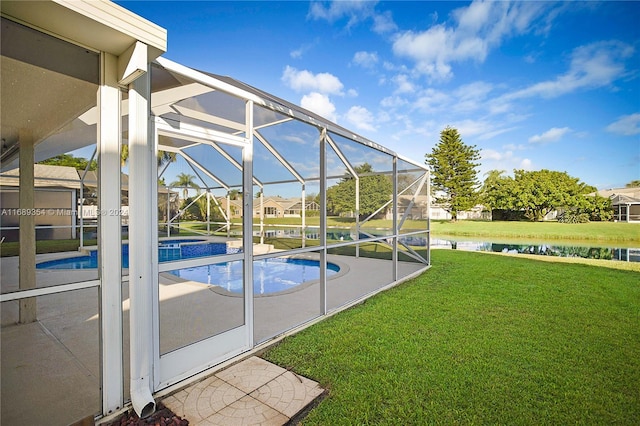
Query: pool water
x,y
168,250
269,275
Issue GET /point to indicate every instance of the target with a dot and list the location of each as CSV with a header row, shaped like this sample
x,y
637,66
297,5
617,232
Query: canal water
x,y
562,249
556,248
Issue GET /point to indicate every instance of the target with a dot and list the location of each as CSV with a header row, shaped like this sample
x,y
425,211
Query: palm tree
x,y
164,157
185,181
234,194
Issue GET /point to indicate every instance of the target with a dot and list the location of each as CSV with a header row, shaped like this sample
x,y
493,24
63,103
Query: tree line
x,y
527,195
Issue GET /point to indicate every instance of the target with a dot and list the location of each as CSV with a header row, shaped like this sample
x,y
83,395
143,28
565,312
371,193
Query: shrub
x,y
573,216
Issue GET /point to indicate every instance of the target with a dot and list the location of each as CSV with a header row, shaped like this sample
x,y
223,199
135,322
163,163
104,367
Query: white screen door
x,y
203,310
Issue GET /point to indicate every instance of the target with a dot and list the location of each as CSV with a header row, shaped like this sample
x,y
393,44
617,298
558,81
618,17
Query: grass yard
x,y
593,231
44,246
480,339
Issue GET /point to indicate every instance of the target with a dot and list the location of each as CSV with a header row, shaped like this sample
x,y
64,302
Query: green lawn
x,y
44,246
480,339
593,231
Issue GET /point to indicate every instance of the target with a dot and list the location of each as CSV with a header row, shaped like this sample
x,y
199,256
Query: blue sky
x,y
533,84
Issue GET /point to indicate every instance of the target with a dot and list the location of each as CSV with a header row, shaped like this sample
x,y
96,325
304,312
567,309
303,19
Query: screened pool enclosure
x,y
209,218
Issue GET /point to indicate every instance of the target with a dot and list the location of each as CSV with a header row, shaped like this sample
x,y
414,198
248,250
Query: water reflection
x,y
542,249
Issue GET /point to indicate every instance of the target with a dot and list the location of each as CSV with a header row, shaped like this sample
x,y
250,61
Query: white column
x,y
74,213
323,222
109,234
628,213
247,222
394,206
168,211
142,275
27,222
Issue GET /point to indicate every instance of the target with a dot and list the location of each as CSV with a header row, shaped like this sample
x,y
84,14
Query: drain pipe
x,y
142,188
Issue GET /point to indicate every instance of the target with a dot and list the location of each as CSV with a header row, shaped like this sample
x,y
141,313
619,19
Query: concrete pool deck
x,y
61,349
253,391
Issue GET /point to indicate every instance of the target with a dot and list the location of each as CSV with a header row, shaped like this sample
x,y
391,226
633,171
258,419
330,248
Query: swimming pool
x,y
269,275
168,250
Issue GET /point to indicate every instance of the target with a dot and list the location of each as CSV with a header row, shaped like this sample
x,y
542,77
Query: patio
x,y
64,342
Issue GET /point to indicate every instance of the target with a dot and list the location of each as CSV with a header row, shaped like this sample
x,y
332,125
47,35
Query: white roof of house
x,y
45,176
624,199
633,192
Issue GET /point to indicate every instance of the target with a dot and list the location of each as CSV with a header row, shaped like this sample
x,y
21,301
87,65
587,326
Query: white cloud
x,y
526,164
469,128
304,80
295,139
352,93
595,65
492,154
299,52
393,102
431,100
365,59
514,147
383,23
475,30
482,129
355,11
361,118
504,160
476,90
432,50
552,135
320,104
472,96
627,125
403,84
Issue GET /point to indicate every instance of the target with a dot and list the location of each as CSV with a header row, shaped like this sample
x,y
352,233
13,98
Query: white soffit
x,y
97,24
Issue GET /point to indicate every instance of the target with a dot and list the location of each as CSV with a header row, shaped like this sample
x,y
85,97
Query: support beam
x,y
109,235
323,222
27,222
247,223
394,207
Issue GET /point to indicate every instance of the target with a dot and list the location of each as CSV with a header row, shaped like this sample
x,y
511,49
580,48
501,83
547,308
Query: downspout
x,y
142,184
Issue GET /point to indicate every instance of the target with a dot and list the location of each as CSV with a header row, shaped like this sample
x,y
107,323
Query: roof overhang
x,y
96,24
